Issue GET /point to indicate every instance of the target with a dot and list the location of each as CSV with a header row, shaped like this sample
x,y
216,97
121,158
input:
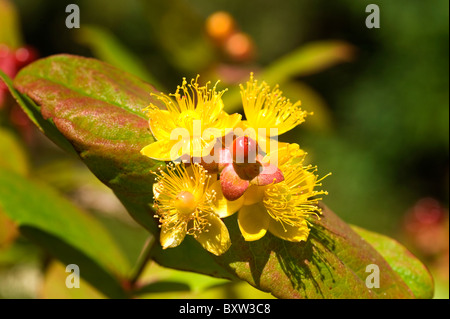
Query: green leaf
x,y
109,49
66,232
98,109
331,264
9,25
198,286
306,60
412,271
54,286
13,157
33,112
312,102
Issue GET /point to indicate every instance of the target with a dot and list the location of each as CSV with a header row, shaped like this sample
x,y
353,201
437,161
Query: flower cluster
x,y
221,165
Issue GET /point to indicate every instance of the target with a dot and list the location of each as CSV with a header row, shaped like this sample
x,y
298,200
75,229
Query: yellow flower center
x,y
185,202
186,119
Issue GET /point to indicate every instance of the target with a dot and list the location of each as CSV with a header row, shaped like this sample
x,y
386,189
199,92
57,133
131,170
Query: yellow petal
x,y
242,128
223,207
172,236
284,153
243,125
161,124
289,233
310,181
159,150
207,147
197,147
253,221
260,134
156,192
254,194
227,122
215,238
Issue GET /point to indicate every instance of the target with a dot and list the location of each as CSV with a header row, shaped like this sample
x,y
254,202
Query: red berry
x,y
8,66
244,150
7,61
25,55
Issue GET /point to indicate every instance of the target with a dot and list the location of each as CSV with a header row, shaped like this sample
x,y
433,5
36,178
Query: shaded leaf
x,y
199,286
8,231
9,25
410,269
331,264
66,232
13,157
162,286
54,285
109,49
321,119
306,60
182,42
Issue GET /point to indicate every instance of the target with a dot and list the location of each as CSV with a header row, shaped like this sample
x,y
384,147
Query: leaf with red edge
x,y
98,110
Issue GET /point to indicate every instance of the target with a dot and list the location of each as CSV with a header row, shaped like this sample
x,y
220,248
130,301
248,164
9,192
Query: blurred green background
x,y
379,97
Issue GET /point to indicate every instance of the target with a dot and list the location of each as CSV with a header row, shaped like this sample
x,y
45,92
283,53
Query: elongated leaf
x,y
63,230
331,264
13,157
54,285
308,59
34,113
199,286
109,49
412,271
97,108
9,25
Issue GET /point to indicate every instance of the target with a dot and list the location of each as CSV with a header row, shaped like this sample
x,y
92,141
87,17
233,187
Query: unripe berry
x,y
185,202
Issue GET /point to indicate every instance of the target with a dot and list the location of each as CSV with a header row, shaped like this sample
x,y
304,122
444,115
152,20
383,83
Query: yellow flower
x,y
184,205
283,153
282,208
189,124
267,108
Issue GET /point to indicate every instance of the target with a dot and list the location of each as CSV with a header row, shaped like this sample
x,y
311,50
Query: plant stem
x,y
142,260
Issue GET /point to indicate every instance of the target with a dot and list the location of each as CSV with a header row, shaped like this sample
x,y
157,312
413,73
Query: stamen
x,y
184,202
266,108
293,200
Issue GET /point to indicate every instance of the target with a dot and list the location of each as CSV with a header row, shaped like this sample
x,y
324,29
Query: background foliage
x,y
380,99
